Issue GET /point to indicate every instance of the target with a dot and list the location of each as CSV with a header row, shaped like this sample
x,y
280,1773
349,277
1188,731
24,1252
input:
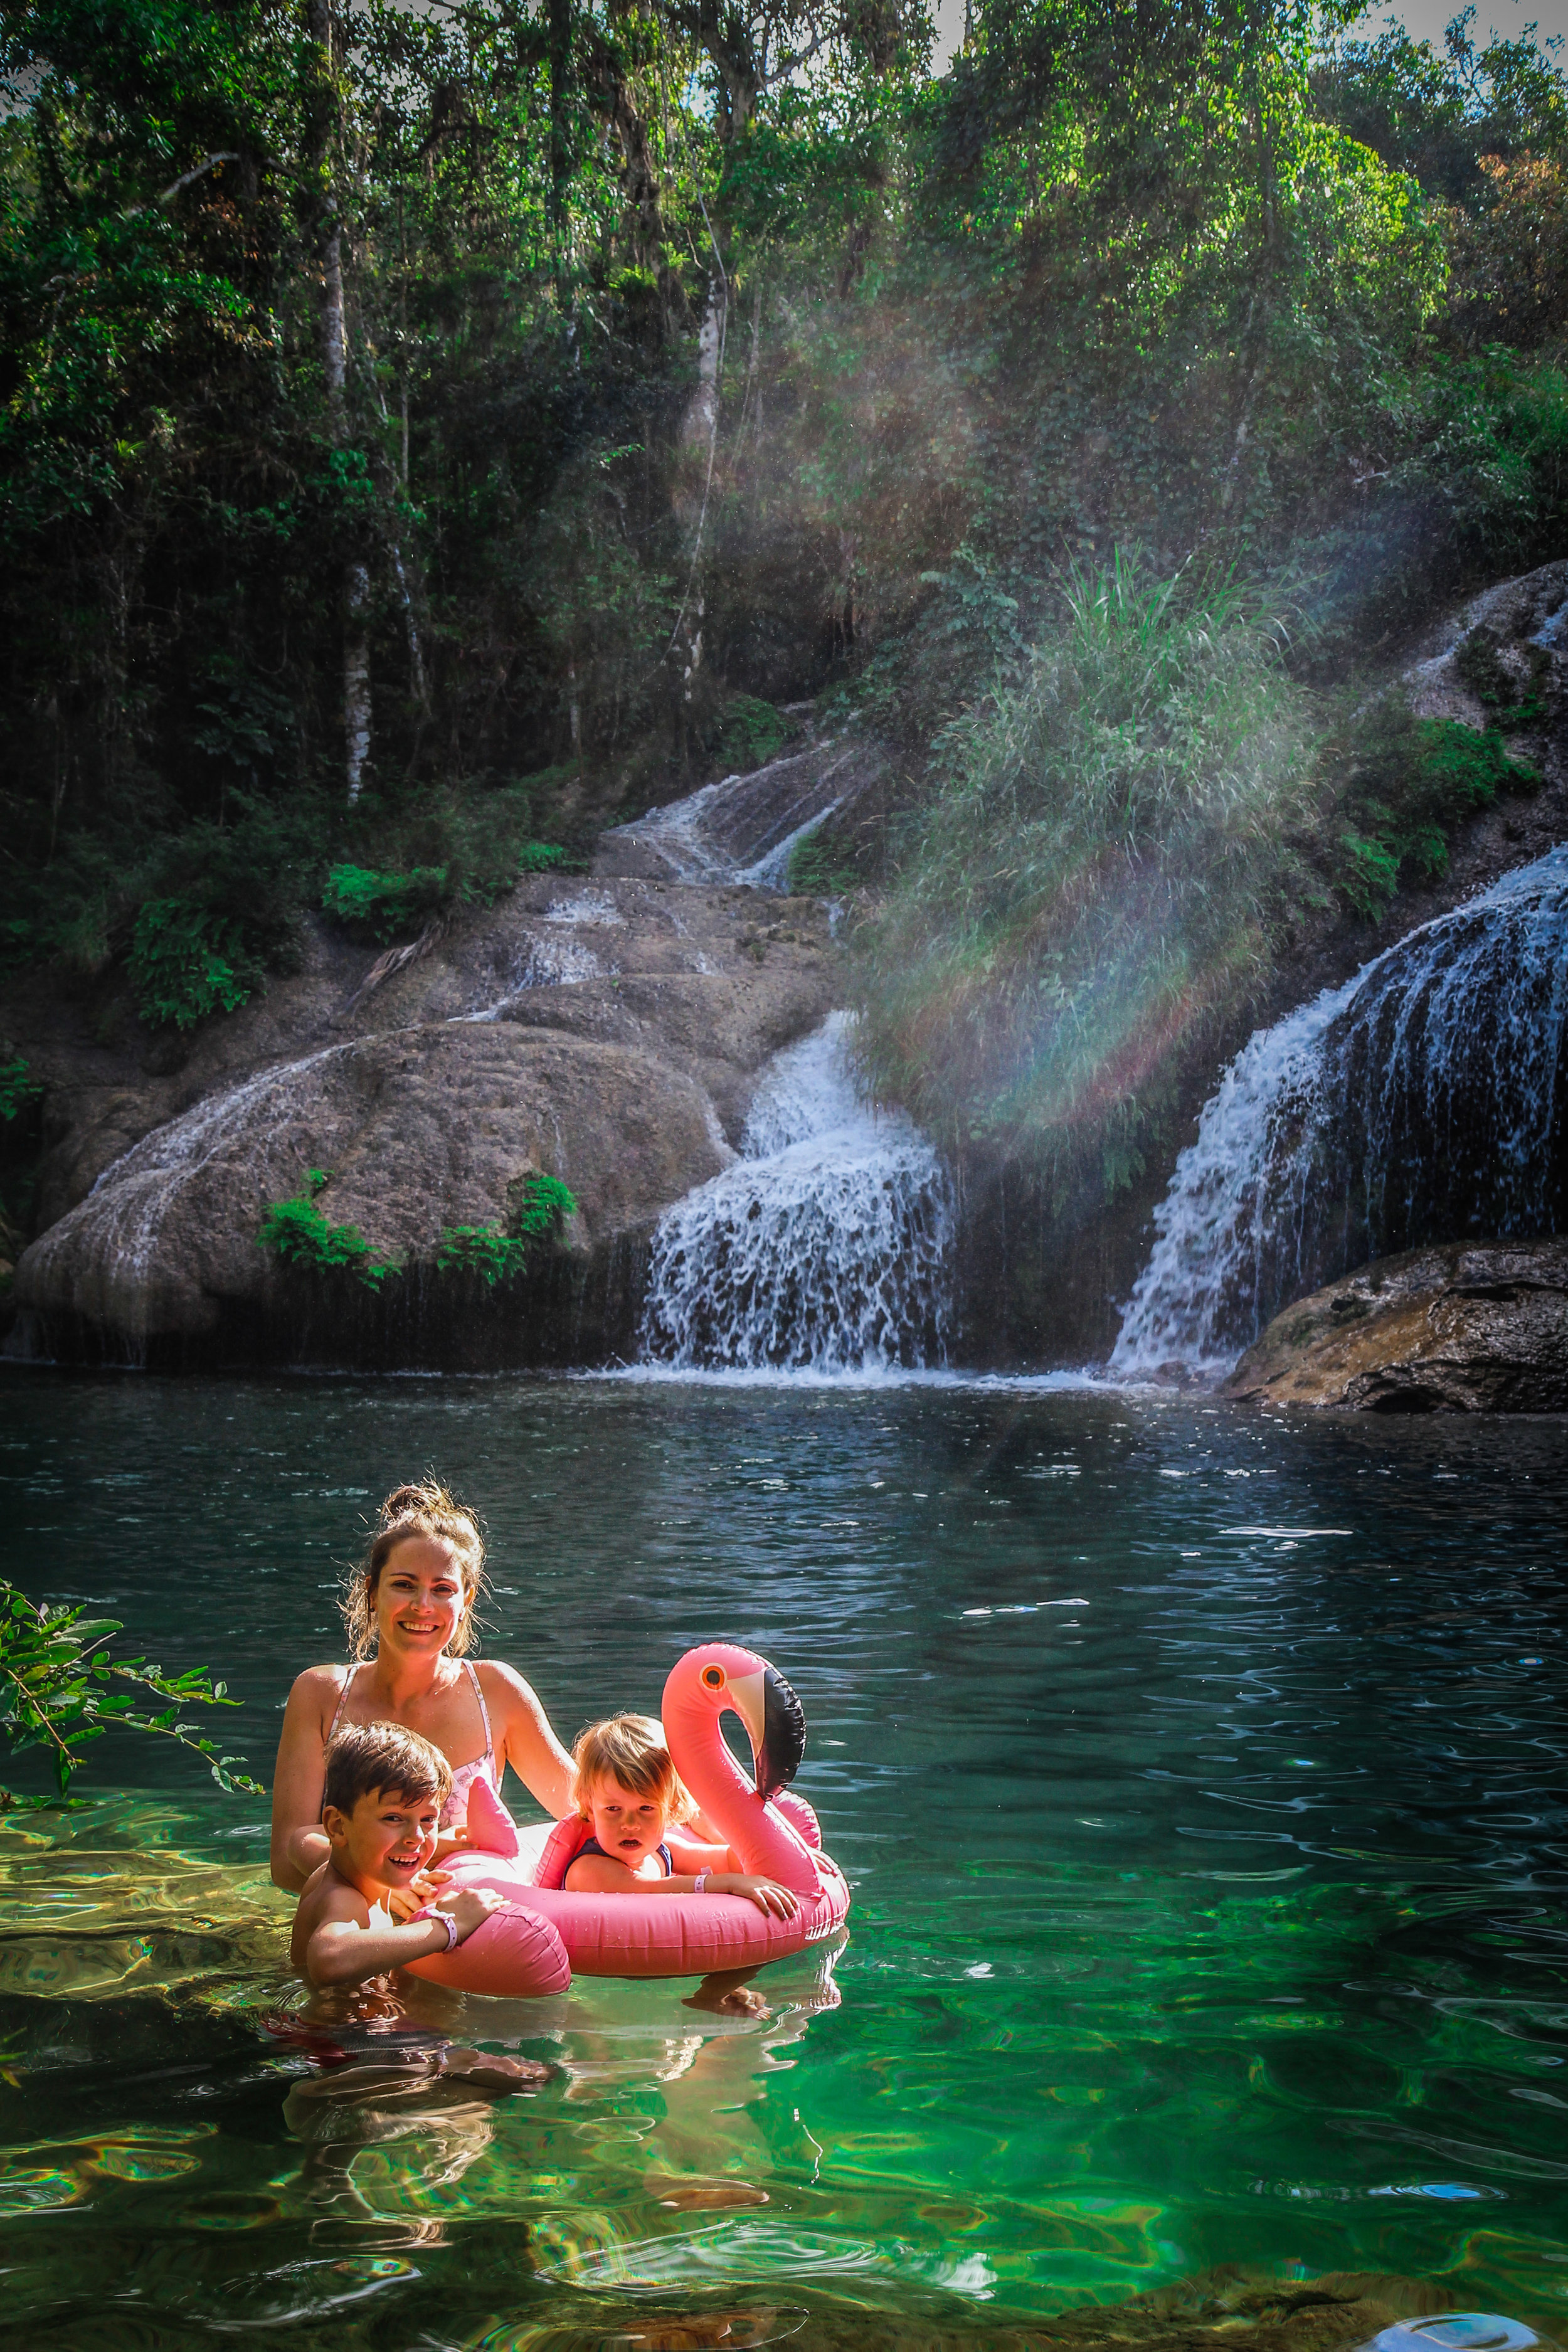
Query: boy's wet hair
x,y
386,1759
628,1748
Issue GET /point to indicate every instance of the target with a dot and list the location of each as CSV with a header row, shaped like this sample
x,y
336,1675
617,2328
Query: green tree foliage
x,y
57,1690
695,361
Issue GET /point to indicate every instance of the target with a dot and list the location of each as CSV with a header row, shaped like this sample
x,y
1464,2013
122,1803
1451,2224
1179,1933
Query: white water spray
x,y
823,1248
1420,1102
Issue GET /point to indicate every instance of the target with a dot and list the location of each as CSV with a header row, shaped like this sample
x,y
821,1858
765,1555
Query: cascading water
x,y
823,1248
1421,1102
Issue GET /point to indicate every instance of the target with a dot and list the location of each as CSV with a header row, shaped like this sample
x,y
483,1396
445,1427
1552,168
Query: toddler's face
x,y
386,1840
628,1826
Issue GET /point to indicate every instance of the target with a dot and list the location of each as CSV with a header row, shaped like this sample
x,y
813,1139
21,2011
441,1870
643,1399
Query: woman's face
x,y
420,1597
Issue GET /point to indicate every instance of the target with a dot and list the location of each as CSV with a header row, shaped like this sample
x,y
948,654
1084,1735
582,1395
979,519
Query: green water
x,y
1201,1779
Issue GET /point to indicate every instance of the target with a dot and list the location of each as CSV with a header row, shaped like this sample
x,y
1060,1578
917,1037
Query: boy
x,y
383,1798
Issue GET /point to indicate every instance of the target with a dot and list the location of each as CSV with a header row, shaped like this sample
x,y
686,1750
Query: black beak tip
x,y
784,1735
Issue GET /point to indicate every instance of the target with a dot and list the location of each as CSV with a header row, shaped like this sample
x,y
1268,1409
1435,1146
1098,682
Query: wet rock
x,y
607,1034
1479,1326
746,824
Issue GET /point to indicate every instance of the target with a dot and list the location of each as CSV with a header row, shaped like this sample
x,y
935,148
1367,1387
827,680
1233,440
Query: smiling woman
x,y
409,1610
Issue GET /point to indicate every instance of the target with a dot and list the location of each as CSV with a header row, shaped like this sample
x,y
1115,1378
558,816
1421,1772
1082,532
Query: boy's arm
x,y
342,1949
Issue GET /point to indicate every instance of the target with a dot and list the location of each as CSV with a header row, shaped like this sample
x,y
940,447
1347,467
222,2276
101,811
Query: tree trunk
x,y
356,675
321,117
559,21
699,424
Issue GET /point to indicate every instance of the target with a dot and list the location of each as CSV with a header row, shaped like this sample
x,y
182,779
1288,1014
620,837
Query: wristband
x,y
449,1924
700,1881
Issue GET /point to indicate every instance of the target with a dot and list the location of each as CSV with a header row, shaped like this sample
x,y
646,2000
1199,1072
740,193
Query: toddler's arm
x,y
596,1873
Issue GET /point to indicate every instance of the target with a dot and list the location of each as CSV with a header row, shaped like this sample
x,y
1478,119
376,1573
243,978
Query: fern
x,y
298,1231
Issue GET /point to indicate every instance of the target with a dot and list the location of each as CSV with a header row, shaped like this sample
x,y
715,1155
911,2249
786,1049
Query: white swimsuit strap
x,y
343,1698
473,1674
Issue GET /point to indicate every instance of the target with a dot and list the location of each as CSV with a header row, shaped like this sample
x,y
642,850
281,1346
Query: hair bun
x,y
404,1500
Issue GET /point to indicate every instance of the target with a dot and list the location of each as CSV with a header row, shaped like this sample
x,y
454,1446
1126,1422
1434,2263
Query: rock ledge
x,y
1468,1326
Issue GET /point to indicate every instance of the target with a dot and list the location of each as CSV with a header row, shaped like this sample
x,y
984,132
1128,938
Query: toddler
x,y
381,1807
626,1787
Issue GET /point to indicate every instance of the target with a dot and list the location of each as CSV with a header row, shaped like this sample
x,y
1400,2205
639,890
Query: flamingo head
x,y
719,1676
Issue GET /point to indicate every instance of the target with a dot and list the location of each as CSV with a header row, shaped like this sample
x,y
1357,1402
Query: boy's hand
x,y
471,1908
769,1896
405,1902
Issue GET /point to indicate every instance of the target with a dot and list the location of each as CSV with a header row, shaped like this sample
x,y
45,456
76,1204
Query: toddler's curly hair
x,y
628,1748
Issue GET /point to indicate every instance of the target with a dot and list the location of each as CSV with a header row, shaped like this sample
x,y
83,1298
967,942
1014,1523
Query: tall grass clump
x,y
1087,896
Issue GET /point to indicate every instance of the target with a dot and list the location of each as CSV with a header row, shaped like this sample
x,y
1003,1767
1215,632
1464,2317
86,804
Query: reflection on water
x,y
1202,1782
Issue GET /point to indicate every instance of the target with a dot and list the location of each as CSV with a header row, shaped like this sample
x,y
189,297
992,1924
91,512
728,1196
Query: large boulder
x,y
607,1036
1470,1326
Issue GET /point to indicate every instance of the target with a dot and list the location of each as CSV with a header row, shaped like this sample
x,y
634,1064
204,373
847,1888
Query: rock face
x,y
1471,1328
608,1035
746,824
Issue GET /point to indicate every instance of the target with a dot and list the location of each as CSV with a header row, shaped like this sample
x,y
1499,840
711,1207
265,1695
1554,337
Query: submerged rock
x,y
1479,1326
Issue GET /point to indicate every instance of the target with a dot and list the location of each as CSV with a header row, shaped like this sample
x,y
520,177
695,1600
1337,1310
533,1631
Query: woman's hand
x,y
770,1897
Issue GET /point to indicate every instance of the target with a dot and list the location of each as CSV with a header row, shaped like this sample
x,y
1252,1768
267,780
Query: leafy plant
x,y
1511,704
751,732
387,904
483,1249
818,870
1404,784
383,904
56,1692
300,1232
187,963
539,1205
19,1086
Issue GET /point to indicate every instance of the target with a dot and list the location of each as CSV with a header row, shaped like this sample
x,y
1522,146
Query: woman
x,y
409,1613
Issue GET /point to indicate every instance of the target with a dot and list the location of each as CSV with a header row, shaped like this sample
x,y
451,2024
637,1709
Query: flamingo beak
x,y
775,1723
747,1695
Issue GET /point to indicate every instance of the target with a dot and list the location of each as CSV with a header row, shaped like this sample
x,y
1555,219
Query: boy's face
x,y
386,1840
627,1825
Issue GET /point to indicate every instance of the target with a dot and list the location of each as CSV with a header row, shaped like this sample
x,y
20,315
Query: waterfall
x,y
823,1247
743,828
1418,1103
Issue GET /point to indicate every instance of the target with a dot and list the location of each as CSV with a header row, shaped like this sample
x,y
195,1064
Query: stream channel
x,y
1200,1776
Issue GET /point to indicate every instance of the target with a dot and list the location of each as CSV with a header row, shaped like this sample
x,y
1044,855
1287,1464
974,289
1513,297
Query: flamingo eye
x,y
713,1678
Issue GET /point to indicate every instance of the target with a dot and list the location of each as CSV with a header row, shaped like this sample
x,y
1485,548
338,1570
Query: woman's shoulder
x,y
321,1685
504,1683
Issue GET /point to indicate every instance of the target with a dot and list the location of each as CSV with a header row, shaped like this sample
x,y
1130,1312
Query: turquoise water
x,y
1201,1778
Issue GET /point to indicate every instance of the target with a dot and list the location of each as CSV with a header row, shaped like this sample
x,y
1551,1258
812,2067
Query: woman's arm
x,y
298,1841
690,1855
523,1738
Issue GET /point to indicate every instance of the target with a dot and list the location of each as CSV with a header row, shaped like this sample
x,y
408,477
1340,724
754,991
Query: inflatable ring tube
x,y
513,1954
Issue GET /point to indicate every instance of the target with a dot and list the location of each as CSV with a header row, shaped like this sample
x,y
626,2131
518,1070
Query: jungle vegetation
x,y
428,433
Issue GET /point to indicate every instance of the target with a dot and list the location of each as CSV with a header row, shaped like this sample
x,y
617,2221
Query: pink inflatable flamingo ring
x,y
547,1932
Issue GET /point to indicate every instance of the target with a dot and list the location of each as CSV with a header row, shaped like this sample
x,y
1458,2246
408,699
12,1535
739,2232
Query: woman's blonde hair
x,y
427,1509
628,1748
